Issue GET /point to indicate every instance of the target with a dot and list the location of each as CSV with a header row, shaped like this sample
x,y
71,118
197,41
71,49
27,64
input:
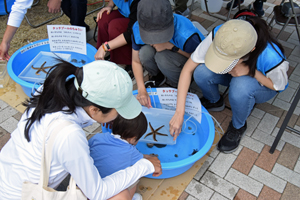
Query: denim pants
x,y
168,62
244,92
75,10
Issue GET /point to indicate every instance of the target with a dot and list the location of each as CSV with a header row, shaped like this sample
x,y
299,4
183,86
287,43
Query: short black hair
x,y
129,128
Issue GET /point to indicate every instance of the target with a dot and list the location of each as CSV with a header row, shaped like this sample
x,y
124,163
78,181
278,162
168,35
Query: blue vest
x,y
183,30
123,7
270,58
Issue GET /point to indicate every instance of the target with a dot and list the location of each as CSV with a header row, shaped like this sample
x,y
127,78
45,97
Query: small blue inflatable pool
x,y
22,57
9,4
191,145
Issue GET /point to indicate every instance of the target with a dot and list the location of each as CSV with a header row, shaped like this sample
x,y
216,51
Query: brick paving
x,y
251,172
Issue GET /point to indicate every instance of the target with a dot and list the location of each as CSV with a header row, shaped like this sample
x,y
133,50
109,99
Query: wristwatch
x,y
175,49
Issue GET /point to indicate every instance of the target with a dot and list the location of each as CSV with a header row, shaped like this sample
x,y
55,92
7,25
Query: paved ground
x,y
251,172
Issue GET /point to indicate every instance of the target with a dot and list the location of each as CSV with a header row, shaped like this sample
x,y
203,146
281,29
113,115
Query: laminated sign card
x,y
67,38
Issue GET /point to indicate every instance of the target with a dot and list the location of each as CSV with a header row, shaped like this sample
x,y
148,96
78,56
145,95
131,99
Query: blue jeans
x,y
244,92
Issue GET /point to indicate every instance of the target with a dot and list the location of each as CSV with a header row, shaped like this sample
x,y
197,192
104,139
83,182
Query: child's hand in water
x,y
156,163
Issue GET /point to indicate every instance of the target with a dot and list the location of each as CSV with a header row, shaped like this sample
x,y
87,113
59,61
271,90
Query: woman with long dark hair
x,y
240,54
98,93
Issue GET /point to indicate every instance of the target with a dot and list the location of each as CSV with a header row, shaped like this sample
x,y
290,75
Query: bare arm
x,y
137,68
5,44
113,44
54,6
265,81
183,86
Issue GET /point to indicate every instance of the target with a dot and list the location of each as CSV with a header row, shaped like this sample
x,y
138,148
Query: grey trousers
x,y
169,63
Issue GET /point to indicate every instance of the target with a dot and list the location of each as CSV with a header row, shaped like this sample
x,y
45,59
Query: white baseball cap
x,y
106,84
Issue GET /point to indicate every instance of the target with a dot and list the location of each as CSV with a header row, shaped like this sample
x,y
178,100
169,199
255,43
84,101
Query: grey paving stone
x,y
291,138
292,41
217,23
297,167
281,104
257,113
272,100
222,164
215,152
237,152
6,113
267,179
217,196
245,182
199,191
252,123
286,174
293,63
296,50
2,105
203,168
92,127
294,58
297,69
220,185
297,111
293,84
252,144
197,12
210,18
268,123
267,139
190,197
294,36
287,94
287,44
295,77
10,124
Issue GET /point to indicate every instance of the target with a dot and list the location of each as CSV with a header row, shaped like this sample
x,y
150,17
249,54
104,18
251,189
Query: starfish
x,y
41,68
154,132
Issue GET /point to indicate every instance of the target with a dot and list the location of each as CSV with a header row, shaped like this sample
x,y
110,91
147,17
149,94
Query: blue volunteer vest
x,y
123,7
183,30
270,58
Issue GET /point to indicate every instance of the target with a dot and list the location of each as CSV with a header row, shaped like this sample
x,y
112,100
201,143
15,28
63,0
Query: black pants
x,y
75,10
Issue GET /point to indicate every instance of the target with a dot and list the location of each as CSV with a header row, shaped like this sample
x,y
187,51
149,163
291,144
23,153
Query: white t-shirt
x,y
21,160
278,75
18,10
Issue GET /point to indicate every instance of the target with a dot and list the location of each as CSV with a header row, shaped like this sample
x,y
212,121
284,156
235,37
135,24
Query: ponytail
x,y
264,36
58,94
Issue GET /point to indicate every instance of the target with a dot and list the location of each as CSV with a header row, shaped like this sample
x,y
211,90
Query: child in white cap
x,y
98,93
240,54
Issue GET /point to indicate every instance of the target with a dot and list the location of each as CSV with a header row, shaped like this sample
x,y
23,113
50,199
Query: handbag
x,y
41,191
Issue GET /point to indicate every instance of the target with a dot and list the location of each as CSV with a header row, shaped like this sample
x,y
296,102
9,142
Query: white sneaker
x,y
137,196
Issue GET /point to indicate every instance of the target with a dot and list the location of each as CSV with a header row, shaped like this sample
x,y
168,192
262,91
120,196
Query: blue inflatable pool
x,y
191,145
22,57
9,4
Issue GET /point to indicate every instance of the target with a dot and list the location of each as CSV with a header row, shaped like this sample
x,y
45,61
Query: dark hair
x,y
58,94
264,37
129,128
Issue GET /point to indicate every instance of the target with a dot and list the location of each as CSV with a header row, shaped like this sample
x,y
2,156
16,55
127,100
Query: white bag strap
x,y
47,155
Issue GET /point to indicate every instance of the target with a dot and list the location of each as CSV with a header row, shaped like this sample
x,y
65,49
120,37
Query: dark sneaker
x,y
231,139
218,106
258,8
128,68
235,4
156,81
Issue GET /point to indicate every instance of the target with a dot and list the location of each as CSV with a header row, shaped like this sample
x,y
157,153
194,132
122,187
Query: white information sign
x,y
168,96
67,38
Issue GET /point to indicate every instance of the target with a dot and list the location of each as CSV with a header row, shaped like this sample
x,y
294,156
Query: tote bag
x,y
41,191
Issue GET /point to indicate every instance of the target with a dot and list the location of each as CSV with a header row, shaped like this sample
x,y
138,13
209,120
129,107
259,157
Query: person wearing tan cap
x,y
240,54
